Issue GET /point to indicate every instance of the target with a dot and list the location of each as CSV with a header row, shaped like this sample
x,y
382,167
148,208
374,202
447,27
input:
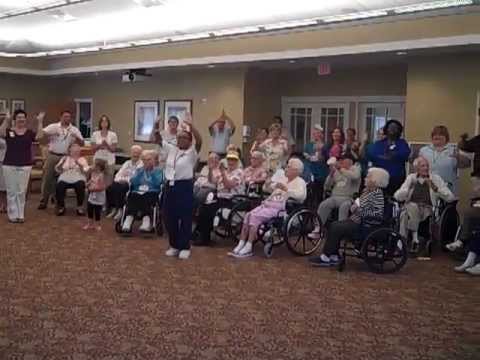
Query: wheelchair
x,y
157,222
378,244
228,219
291,226
439,229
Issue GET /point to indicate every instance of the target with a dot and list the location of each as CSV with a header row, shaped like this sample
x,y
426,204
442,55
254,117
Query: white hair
x,y
136,147
151,153
380,177
296,164
418,160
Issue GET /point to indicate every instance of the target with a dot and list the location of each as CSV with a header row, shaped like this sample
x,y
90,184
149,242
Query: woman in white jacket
x,y
420,192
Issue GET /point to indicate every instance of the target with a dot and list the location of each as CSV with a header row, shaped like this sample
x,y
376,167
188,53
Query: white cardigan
x,y
443,192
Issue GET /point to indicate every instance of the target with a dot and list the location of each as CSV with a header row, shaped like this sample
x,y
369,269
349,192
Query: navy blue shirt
x,y
391,157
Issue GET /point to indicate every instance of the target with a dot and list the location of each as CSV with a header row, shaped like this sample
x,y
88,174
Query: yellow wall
x,y
210,89
443,91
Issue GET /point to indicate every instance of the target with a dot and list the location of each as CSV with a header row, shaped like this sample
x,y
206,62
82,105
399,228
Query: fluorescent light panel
x,y
236,31
355,16
290,24
432,6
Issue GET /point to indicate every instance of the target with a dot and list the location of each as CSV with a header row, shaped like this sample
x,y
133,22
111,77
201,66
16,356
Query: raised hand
x,y
41,116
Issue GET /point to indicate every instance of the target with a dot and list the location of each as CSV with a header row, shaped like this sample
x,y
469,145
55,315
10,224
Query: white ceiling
x,y
104,22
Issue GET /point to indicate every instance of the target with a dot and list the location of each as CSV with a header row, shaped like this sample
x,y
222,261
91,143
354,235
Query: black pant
x,y
336,232
92,210
206,216
178,210
471,222
141,203
394,184
62,187
116,194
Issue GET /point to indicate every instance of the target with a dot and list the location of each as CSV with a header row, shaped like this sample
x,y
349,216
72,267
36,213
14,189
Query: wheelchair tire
x,y
235,222
449,223
268,250
296,231
118,227
385,251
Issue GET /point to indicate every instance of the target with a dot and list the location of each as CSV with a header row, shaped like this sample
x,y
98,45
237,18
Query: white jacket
x,y
443,192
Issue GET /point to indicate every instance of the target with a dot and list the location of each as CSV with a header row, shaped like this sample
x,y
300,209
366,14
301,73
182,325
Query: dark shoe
x,y
60,211
319,261
42,206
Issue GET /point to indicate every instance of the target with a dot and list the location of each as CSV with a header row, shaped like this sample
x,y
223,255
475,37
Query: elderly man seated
x,y
343,181
118,190
420,192
293,187
370,205
145,186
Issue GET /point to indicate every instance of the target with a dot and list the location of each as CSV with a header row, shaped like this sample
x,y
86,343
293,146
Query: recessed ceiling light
x,y
400,53
210,66
292,61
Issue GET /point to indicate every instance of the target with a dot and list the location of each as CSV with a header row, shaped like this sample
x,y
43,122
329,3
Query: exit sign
x,y
324,69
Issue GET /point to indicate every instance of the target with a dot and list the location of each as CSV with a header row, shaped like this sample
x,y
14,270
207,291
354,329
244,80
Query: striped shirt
x,y
371,206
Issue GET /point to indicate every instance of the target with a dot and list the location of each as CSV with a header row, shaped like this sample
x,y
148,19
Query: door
x,y
300,124
84,114
373,116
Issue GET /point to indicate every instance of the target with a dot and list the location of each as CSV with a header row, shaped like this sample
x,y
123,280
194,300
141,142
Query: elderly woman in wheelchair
x,y
290,187
229,184
367,212
420,193
143,197
208,180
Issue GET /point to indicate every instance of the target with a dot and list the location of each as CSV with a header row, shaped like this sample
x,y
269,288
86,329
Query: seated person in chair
x,y
208,180
117,191
229,185
145,186
293,188
343,181
370,205
420,192
72,170
256,173
471,236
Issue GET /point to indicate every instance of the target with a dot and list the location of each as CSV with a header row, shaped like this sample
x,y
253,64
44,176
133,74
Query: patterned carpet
x,y
68,294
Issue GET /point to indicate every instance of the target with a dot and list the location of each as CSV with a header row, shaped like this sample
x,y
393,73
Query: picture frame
x,y
145,115
17,104
3,106
178,108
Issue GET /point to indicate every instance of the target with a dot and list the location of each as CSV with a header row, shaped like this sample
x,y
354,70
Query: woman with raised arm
x,y
179,171
18,161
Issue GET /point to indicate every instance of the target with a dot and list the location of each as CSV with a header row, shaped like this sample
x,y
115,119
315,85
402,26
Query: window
x,y
332,117
84,115
300,125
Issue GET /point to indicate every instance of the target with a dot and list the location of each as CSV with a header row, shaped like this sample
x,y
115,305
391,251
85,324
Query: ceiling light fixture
x,y
355,16
186,37
400,53
431,6
21,7
291,24
236,31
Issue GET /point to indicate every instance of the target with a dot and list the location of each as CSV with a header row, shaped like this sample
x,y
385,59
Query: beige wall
x,y
443,91
40,94
210,89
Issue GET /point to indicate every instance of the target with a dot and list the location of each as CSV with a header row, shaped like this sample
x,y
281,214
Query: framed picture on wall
x,y
178,108
146,113
18,104
3,106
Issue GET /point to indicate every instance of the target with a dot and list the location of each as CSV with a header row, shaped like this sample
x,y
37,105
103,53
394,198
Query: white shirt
x,y
297,189
169,138
127,170
71,172
105,154
60,138
180,164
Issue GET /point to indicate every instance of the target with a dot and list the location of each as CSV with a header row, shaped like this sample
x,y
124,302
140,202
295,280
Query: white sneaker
x,y
246,250
462,268
127,224
239,247
184,254
474,270
172,252
453,246
145,227
112,213
118,215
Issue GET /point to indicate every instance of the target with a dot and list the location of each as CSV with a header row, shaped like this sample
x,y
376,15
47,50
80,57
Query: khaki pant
x,y
412,216
49,179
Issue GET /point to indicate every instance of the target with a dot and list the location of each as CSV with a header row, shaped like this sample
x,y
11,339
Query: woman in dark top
x,y
18,162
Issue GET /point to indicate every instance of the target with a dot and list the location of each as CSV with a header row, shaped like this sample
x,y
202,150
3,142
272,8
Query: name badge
x,y
143,188
12,134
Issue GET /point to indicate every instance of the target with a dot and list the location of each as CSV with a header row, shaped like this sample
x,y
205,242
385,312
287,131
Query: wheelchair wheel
x,y
268,250
297,228
118,227
235,222
449,223
384,251
270,232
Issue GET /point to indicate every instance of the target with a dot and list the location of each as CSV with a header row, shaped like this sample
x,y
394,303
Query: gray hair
x,y
213,155
259,154
418,160
136,147
380,177
296,164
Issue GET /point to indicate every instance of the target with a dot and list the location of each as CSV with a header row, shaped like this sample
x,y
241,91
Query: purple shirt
x,y
19,148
